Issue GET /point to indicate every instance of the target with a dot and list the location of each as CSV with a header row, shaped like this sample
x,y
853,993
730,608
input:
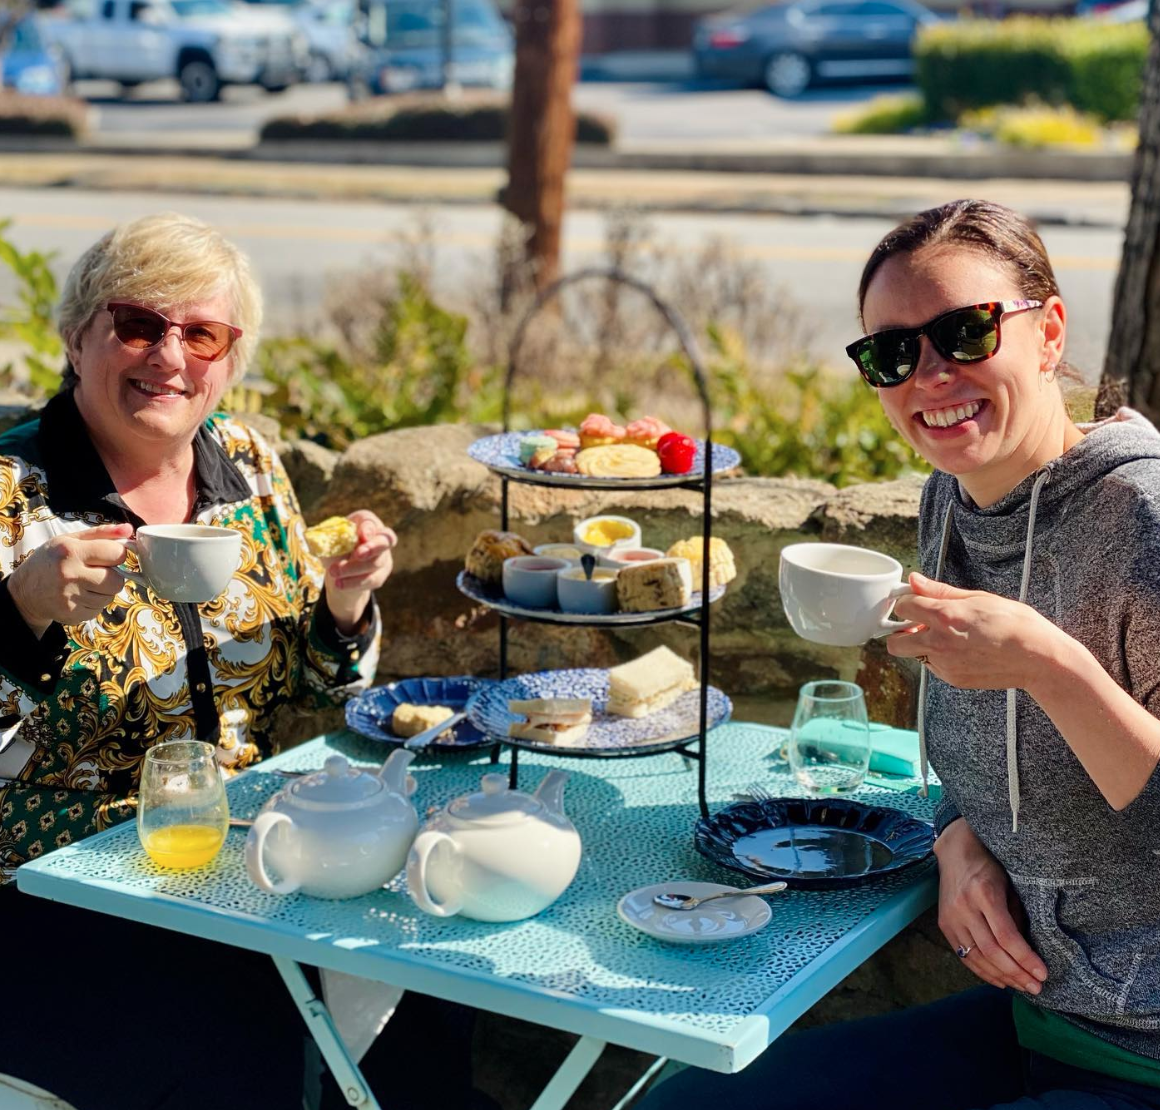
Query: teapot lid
x,y
495,804
336,786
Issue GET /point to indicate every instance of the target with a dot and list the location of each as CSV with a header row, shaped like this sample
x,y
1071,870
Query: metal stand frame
x,y
699,752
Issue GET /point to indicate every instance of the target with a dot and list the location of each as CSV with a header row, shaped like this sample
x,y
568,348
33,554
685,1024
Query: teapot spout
x,y
551,791
394,771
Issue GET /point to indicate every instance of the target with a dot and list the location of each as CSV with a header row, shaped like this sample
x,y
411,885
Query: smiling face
x,y
989,423
137,402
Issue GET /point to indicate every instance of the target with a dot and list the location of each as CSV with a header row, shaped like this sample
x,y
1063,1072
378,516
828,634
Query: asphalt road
x,y
297,247
647,112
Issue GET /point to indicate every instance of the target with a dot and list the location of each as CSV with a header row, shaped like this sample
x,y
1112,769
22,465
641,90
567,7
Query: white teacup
x,y
840,595
185,562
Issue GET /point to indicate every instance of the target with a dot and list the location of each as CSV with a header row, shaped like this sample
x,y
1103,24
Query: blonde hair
x,y
163,262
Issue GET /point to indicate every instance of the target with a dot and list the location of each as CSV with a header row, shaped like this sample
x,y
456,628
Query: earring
x,y
1049,375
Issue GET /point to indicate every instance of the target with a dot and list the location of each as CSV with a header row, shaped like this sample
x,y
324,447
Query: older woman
x,y
1038,627
159,317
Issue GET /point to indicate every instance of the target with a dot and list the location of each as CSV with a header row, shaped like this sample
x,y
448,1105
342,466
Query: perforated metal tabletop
x,y
576,967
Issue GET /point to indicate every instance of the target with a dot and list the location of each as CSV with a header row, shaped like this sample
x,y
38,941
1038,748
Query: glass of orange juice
x,y
182,813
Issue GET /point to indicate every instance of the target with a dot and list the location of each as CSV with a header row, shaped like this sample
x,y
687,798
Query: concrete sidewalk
x,y
1051,202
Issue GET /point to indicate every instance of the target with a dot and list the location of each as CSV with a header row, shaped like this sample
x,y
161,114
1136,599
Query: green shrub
x,y
422,119
884,115
810,422
48,116
29,323
1035,127
423,374
1095,68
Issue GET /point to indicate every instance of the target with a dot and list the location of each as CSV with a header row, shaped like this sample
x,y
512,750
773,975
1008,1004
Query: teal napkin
x,y
893,751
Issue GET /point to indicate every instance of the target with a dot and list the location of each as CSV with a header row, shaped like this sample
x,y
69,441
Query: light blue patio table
x,y
575,967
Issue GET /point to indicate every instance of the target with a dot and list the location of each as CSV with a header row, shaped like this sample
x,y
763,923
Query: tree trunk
x,y
543,126
1132,369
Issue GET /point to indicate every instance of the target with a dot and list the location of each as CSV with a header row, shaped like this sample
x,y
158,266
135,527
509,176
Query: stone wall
x,y
421,482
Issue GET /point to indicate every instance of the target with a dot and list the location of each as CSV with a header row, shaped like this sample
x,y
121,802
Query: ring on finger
x,y
964,950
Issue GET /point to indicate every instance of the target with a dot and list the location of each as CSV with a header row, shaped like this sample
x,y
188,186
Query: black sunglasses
x,y
963,335
141,328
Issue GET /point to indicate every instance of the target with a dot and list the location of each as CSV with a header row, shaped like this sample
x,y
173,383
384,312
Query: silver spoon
x,y
674,900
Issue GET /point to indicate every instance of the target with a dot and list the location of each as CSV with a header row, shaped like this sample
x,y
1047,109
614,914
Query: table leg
x,y
322,1029
570,1074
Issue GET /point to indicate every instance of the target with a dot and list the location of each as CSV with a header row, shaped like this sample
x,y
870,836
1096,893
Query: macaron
x,y
529,445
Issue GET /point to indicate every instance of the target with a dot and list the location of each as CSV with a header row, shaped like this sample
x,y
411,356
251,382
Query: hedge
x,y
430,119
1093,67
51,116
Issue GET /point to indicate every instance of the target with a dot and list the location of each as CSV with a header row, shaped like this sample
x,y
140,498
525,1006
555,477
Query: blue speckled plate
x,y
501,453
813,843
369,714
492,596
609,735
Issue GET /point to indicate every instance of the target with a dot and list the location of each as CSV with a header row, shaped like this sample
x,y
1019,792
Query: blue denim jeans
x,y
959,1053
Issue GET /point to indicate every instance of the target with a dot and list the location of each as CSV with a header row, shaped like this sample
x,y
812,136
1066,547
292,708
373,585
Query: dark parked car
x,y
402,47
790,46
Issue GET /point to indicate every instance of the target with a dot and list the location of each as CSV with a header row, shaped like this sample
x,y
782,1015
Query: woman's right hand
x,y
977,909
70,578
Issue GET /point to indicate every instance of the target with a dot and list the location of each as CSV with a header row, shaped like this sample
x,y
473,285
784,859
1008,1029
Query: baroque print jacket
x,y
80,706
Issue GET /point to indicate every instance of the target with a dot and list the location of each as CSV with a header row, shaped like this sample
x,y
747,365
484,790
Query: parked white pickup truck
x,y
205,44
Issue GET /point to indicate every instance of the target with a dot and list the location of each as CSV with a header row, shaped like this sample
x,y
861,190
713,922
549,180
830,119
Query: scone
x,y
659,584
722,568
334,537
491,548
410,720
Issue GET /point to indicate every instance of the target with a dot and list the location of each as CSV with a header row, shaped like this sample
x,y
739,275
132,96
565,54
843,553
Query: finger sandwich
x,y
649,683
551,720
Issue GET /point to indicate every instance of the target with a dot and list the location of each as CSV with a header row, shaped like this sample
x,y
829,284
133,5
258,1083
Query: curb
x,y
887,158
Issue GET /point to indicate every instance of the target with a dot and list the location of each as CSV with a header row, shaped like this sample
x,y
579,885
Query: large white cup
x,y
840,595
185,562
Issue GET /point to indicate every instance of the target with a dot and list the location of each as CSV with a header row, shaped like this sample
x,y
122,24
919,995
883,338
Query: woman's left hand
x,y
351,579
972,639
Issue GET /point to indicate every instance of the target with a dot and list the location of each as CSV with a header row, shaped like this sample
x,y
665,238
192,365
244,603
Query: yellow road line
x,y
573,243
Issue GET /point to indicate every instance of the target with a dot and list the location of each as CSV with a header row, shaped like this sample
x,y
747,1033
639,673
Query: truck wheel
x,y
199,81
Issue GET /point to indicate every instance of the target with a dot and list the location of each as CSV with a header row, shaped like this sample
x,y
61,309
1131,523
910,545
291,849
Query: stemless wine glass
x,y
829,743
182,813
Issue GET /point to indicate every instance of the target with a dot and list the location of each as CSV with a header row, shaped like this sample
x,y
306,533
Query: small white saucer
x,y
724,919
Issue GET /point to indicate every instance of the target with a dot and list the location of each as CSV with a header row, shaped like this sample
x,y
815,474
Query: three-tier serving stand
x,y
692,747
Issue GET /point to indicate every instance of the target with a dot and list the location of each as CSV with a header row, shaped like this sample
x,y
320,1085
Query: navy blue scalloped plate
x,y
813,843
370,713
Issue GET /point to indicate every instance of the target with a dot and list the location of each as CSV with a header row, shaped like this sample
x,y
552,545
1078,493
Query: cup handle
x,y
886,626
256,844
132,575
424,845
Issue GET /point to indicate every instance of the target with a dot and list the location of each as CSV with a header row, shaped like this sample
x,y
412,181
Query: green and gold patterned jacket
x,y
80,706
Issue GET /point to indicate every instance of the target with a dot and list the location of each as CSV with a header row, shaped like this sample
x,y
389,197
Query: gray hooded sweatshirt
x,y
1080,541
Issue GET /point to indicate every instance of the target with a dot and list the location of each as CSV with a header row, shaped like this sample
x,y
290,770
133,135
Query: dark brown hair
x,y
991,229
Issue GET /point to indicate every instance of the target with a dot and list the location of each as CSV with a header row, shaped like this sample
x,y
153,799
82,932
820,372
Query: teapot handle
x,y
424,845
256,844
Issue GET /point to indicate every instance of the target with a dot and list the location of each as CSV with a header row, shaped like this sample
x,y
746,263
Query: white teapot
x,y
498,855
337,833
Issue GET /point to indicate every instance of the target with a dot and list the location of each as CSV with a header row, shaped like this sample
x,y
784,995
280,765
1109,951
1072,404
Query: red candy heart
x,y
677,452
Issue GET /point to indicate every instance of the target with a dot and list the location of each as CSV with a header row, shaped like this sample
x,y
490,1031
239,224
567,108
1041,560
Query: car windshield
x,y
188,9
26,38
414,23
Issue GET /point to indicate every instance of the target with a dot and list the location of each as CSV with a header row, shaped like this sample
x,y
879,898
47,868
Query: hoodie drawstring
x,y
1012,731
